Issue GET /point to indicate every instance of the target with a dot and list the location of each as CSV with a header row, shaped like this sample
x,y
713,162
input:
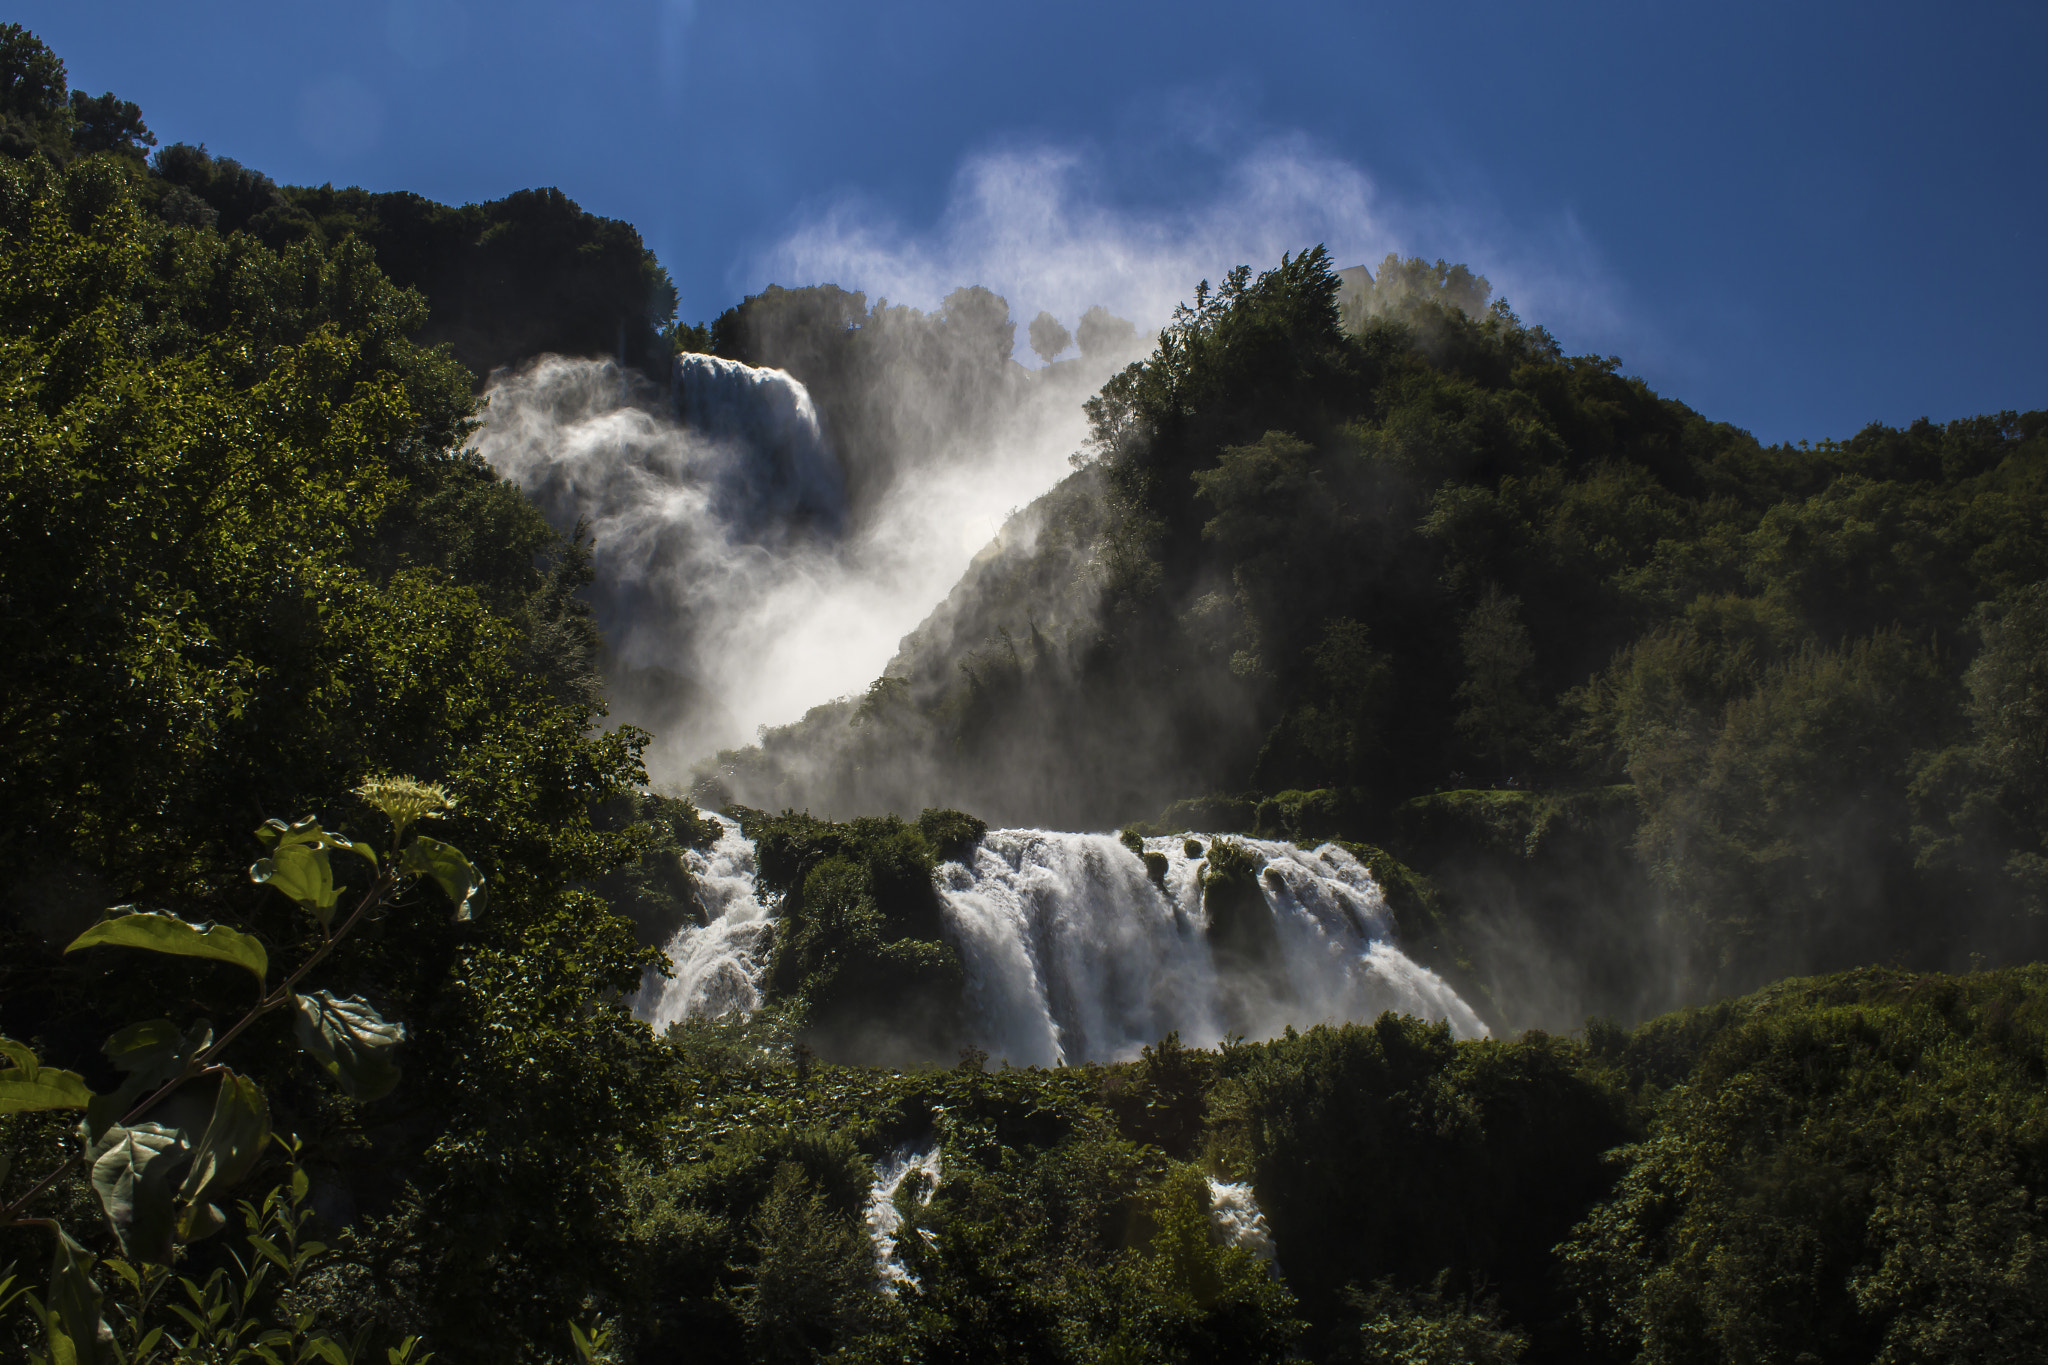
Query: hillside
x,y
1430,583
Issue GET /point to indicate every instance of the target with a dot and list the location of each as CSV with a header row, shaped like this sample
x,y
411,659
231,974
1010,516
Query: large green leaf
x,y
456,875
135,1174
161,933
351,1042
228,1150
300,871
29,1085
276,834
152,1053
45,1088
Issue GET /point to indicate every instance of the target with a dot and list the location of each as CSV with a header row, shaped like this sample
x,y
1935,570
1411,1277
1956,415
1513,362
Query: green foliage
x,y
1848,1170
1499,718
812,1264
246,554
1387,1150
655,891
168,934
858,953
28,1086
39,114
510,279
950,833
157,1151
1429,1327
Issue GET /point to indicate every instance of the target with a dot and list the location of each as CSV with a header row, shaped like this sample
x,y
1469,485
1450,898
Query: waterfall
x,y
1073,954
885,1219
739,581
785,470
716,965
1237,1220
716,525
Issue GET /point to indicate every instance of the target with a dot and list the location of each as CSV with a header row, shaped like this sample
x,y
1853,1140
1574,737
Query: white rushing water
x,y
1073,954
1238,1221
737,585
885,1220
716,964
713,518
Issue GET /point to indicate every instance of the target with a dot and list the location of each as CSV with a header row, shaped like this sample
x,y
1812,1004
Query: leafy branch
x,y
138,1139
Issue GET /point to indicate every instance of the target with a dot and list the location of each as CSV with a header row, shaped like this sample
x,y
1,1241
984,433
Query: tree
x,y
1402,284
1499,719
108,124
2008,685
1049,337
1103,335
32,85
977,324
246,557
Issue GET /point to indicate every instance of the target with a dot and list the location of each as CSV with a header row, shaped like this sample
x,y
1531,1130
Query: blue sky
x,y
1795,217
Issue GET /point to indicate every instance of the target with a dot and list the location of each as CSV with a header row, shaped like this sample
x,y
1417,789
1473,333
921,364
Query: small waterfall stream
x,y
885,1219
716,965
1238,1221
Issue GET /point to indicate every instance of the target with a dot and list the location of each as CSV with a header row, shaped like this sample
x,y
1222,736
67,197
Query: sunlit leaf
x,y
19,1054
45,1088
350,1042
276,834
455,874
301,872
134,1173
161,933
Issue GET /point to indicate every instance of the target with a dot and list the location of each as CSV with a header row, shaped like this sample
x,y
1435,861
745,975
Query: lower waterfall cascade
x,y
1072,953
885,1220
716,965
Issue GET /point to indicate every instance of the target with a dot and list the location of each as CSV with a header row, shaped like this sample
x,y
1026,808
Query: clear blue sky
x,y
1798,218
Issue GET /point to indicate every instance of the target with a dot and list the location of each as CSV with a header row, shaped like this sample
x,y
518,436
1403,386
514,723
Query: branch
x,y
204,1060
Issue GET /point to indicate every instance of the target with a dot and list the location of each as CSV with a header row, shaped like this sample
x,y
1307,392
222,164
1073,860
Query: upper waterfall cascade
x,y
1073,954
716,513
744,575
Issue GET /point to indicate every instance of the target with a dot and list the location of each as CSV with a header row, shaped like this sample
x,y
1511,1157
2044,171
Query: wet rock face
x,y
1243,938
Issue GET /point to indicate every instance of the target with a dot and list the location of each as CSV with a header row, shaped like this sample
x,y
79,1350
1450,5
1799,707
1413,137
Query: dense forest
x,y
1562,659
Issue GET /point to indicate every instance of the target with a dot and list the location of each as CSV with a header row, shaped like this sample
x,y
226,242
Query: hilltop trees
x,y
1049,337
39,112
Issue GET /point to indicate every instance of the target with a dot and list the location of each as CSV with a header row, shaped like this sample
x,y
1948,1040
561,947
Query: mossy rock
x,y
1240,923
1155,868
860,954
